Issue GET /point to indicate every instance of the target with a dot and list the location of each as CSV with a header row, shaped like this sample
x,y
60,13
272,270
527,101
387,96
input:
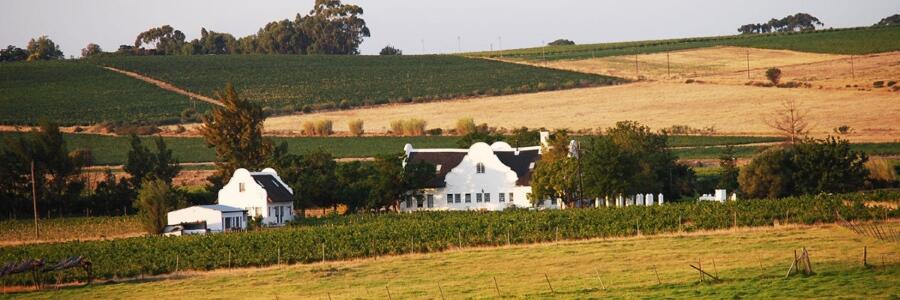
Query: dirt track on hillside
x,y
166,86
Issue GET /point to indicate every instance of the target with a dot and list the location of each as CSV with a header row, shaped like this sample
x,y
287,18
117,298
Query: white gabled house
x,y
246,195
261,194
482,177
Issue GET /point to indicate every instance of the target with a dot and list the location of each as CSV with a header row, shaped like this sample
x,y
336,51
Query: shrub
x,y
891,83
843,129
323,128
355,127
774,75
344,104
189,115
414,127
309,128
465,126
435,131
880,169
397,127
306,109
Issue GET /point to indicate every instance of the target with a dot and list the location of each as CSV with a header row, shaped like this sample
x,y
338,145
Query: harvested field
x,y
730,109
728,65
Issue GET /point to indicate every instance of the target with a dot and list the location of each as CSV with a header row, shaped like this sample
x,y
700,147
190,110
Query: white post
x,y
639,199
648,199
660,199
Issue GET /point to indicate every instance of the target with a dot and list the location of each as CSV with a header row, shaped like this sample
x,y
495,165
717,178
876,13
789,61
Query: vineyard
x,y
358,236
863,40
113,150
65,229
286,83
81,93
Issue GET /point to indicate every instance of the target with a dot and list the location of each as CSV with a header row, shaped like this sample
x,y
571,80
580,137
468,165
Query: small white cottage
x,y
217,218
261,194
247,194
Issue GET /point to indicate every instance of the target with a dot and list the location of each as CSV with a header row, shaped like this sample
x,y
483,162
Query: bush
x,y
843,129
355,127
323,128
810,167
309,128
878,84
774,75
189,115
465,126
881,170
344,104
397,127
435,131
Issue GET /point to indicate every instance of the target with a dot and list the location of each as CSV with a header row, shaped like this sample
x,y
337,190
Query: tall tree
x,y
608,170
167,40
43,48
353,185
335,28
312,176
13,53
556,175
790,121
155,200
390,50
235,132
889,21
728,176
91,50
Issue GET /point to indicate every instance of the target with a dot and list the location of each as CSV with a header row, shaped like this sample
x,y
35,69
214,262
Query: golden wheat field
x,y
722,100
730,109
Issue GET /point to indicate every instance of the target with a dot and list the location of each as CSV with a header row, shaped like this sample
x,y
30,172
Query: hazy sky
x,y
479,24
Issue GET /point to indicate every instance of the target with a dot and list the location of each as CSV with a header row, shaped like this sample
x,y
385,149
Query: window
x,y
477,197
449,198
437,169
502,197
487,197
458,199
479,168
468,198
409,203
240,187
511,197
419,202
430,200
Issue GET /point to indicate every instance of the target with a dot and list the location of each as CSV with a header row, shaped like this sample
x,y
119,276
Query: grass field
x,y
861,40
113,150
287,82
751,263
13,232
81,93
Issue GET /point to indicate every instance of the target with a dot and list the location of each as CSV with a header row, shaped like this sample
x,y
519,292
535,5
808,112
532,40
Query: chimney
x,y
545,138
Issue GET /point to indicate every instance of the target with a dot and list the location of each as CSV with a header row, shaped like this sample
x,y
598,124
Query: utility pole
x,y
500,45
748,64
668,66
423,46
852,73
459,44
37,233
636,71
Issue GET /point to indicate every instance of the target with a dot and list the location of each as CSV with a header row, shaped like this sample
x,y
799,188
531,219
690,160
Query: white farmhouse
x,y
261,194
482,177
247,194
210,218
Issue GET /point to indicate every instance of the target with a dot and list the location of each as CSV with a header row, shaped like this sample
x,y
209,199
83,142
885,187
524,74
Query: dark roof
x,y
520,163
447,161
277,191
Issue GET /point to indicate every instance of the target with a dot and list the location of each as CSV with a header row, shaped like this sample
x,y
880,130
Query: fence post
x,y
442,290
865,254
497,286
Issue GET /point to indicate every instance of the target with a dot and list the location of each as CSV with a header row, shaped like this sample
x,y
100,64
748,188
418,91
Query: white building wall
x,y
463,179
191,214
253,197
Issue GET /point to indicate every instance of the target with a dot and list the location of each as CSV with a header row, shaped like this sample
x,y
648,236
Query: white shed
x,y
218,217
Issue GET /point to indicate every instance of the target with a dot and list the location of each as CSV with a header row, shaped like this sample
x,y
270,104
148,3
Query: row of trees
x,y
629,158
60,186
330,28
41,48
790,23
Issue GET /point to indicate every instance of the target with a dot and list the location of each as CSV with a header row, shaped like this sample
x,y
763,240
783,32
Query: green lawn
x,y
863,40
73,92
750,262
112,150
287,82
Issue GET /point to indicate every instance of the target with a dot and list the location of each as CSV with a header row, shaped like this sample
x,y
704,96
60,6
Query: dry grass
x,y
732,109
751,262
